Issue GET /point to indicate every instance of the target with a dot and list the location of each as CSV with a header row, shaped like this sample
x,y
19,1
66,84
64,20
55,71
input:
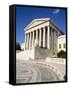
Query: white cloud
x,y
56,11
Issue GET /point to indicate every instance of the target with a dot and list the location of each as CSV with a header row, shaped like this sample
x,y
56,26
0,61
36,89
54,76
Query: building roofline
x,y
45,20
40,19
62,36
57,26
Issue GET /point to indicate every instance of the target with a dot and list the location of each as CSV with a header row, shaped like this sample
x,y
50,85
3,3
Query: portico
x,y
42,33
38,37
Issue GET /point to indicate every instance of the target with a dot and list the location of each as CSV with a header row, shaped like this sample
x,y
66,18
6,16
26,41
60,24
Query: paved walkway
x,y
30,71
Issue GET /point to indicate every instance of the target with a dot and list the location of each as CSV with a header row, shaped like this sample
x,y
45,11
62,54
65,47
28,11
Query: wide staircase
x,y
35,53
42,53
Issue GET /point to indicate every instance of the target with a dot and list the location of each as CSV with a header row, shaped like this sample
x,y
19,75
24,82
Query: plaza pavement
x,y
35,71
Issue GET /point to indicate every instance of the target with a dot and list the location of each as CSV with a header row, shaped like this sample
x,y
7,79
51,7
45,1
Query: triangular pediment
x,y
36,22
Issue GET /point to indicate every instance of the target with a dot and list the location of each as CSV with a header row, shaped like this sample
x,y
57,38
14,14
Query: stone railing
x,y
56,60
25,55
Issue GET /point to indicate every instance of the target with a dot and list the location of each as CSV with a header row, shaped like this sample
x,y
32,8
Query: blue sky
x,y
24,15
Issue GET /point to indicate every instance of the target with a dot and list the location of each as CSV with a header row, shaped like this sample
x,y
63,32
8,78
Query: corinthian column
x,y
33,39
44,39
48,37
36,37
30,41
40,37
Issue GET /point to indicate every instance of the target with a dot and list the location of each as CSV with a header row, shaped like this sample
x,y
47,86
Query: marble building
x,y
42,32
61,42
41,38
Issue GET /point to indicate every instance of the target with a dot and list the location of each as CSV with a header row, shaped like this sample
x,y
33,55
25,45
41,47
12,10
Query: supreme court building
x,y
42,33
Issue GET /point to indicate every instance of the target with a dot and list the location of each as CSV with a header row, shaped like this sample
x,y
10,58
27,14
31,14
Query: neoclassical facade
x,y
43,33
61,43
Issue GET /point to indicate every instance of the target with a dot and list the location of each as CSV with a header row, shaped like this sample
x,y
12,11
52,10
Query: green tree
x,y
18,46
61,54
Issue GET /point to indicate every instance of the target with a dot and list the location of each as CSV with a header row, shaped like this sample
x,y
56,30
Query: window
x,y
64,45
59,45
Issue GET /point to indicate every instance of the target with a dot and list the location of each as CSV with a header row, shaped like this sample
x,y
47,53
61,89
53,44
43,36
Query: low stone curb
x,y
60,76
